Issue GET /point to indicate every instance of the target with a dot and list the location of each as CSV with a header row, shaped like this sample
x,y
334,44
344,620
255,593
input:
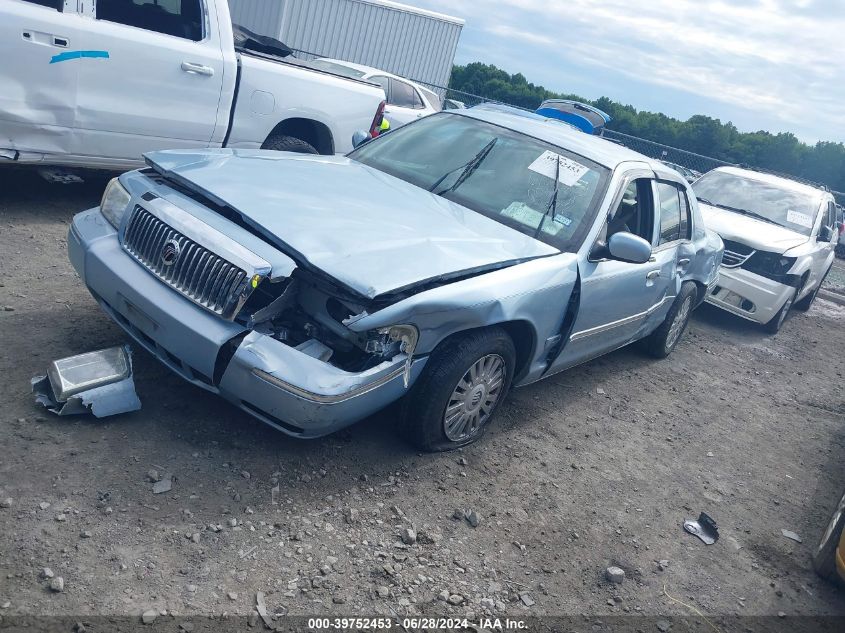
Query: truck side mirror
x,y
825,234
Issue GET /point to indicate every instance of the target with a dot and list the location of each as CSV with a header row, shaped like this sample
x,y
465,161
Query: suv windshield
x,y
505,175
791,209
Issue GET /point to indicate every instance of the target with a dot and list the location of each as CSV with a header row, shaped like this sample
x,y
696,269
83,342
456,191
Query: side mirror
x,y
627,247
825,234
360,137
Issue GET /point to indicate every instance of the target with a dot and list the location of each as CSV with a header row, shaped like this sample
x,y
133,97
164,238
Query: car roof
x,y
595,148
369,70
772,179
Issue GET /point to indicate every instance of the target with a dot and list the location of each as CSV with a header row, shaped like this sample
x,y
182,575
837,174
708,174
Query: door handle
x,y
652,274
683,262
197,69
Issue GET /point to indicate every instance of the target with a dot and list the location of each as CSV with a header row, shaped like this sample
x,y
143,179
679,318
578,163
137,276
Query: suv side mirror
x,y
359,138
627,247
825,234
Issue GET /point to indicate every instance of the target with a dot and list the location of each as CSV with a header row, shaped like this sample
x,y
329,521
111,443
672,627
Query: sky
x,y
776,65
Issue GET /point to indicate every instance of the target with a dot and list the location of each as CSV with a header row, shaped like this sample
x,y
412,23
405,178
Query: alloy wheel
x,y
474,398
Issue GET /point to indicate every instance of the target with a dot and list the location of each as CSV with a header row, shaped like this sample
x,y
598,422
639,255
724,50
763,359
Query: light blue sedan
x,y
440,265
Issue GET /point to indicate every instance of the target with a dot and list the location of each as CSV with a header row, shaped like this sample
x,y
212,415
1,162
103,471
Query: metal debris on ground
x,y
261,607
705,528
791,535
56,174
98,382
163,485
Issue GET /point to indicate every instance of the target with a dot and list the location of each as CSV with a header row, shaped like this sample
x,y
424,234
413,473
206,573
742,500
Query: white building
x,y
398,38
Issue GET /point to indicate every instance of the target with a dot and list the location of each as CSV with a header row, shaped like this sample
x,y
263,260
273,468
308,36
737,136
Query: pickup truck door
x,y
619,300
38,76
161,85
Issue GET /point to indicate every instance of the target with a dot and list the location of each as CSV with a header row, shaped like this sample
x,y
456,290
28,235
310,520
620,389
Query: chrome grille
x,y
731,259
204,277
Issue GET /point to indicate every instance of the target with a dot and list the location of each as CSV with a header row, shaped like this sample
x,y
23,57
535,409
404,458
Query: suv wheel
x,y
773,326
461,387
807,301
663,340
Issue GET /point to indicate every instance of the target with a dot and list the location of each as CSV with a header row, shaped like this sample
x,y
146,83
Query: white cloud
x,y
779,60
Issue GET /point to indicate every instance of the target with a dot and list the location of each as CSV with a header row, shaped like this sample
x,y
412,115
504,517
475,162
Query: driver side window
x,y
635,212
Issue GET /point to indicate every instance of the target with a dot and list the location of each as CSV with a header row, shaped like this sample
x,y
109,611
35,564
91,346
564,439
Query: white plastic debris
x,y
97,382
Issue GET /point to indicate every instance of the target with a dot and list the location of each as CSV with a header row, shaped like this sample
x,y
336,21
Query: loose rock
x,y
6,503
615,575
57,584
382,591
149,616
46,573
472,518
409,536
455,599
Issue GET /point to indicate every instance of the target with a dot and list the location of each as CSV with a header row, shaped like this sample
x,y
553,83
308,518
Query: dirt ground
x,y
594,467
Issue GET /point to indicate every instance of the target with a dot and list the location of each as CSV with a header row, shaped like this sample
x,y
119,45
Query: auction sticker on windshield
x,y
570,170
801,219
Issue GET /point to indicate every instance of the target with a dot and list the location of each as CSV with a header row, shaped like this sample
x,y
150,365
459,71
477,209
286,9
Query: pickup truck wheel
x,y
284,143
777,321
807,301
663,340
824,556
463,384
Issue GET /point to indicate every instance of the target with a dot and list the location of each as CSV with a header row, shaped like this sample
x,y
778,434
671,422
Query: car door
x,y
823,251
618,299
38,75
160,83
404,104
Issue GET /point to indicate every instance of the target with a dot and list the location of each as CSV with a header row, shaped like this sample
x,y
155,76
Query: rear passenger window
x,y
180,18
58,5
674,213
403,95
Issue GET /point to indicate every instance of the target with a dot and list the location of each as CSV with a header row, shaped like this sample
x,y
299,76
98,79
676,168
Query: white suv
x,y
779,236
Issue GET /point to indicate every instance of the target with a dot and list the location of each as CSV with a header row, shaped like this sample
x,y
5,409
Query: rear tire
x,y
468,374
285,143
777,321
663,340
824,556
807,301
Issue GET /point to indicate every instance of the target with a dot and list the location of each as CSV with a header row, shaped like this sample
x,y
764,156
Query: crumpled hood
x,y
372,232
755,233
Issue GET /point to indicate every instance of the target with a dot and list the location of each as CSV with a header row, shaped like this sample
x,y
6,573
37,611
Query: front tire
x,y
824,556
777,321
663,340
807,301
285,143
464,382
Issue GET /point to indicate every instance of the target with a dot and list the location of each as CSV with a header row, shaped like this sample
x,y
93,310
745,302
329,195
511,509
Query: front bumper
x,y
748,294
278,384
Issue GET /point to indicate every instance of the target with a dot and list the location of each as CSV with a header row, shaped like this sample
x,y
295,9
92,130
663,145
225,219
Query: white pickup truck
x,y
97,84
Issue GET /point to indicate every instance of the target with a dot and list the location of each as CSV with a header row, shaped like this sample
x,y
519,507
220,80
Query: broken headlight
x,y
115,202
769,264
394,339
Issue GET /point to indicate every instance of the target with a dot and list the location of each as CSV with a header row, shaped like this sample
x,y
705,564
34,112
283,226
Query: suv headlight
x,y
115,202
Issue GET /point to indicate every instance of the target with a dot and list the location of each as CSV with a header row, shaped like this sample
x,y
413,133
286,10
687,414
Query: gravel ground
x,y
594,467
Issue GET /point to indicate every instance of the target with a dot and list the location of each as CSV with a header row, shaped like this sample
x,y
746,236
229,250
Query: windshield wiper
x,y
741,211
468,168
552,202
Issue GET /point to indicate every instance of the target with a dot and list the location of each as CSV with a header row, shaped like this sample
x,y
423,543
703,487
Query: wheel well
x,y
701,292
312,132
524,339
